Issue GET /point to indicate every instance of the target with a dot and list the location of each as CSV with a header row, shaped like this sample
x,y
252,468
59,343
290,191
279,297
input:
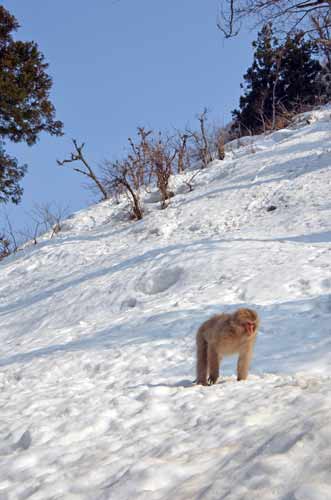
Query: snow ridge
x,y
97,334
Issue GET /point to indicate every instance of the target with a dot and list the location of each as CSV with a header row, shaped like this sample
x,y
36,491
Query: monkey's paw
x,y
211,380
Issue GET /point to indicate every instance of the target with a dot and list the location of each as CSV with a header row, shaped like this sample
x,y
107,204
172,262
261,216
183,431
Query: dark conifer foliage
x,y
25,108
10,175
258,84
298,72
281,79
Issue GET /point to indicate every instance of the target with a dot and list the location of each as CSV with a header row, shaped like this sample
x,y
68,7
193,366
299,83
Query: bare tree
x,y
205,150
286,15
11,234
87,169
189,182
8,238
31,232
42,218
139,157
183,156
48,216
202,143
5,248
278,61
220,147
162,157
130,175
150,158
125,177
322,35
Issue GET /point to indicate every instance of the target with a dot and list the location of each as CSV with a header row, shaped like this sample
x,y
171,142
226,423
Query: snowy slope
x,y
97,330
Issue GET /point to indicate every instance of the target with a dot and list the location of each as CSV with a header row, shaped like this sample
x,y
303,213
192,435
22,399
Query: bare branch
x,y
11,233
79,156
286,15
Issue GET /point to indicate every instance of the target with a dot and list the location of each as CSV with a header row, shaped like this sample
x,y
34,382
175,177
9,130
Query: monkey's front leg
x,y
243,364
213,365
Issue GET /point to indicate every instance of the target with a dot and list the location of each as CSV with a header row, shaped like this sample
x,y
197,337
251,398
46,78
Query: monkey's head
x,y
249,319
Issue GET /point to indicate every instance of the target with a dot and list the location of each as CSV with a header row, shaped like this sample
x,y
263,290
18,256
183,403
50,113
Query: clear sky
x,y
118,64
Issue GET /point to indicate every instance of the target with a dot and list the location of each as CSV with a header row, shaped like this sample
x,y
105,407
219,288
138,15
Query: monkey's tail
x,y
201,359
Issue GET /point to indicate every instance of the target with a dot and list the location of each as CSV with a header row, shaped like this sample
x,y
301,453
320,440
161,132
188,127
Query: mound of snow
x,y
160,280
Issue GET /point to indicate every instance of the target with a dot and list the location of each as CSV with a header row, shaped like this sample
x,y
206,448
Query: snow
x,y
98,338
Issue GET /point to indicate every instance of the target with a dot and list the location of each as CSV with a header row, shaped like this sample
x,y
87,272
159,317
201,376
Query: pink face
x,y
249,327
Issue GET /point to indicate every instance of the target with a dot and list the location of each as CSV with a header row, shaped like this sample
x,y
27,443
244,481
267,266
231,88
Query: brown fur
x,y
223,335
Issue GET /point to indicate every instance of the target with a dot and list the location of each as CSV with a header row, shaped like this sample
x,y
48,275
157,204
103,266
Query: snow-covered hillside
x,y
97,329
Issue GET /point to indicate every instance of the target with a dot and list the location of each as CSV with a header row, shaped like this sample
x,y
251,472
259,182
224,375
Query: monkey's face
x,y
250,328
248,319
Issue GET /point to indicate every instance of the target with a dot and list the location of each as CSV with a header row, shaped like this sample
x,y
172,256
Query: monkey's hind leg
x,y
201,359
213,365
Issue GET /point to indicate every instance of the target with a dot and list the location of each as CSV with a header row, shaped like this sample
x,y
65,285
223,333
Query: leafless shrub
x,y
124,177
42,218
153,157
87,170
189,182
283,117
8,238
322,35
48,216
220,147
130,175
11,234
286,15
180,144
5,247
161,156
150,158
202,146
30,233
140,156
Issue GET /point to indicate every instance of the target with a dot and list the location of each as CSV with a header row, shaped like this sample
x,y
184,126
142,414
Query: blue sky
x,y
118,64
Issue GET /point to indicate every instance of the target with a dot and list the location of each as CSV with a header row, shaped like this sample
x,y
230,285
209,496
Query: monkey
x,y
223,335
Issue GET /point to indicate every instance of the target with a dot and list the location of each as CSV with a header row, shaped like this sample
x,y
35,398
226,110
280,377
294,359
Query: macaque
x,y
223,335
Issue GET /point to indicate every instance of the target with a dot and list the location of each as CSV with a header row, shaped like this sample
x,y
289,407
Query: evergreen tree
x,y
10,175
255,103
298,72
25,108
281,77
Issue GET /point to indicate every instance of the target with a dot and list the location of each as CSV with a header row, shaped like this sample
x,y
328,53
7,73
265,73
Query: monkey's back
x,y
226,336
